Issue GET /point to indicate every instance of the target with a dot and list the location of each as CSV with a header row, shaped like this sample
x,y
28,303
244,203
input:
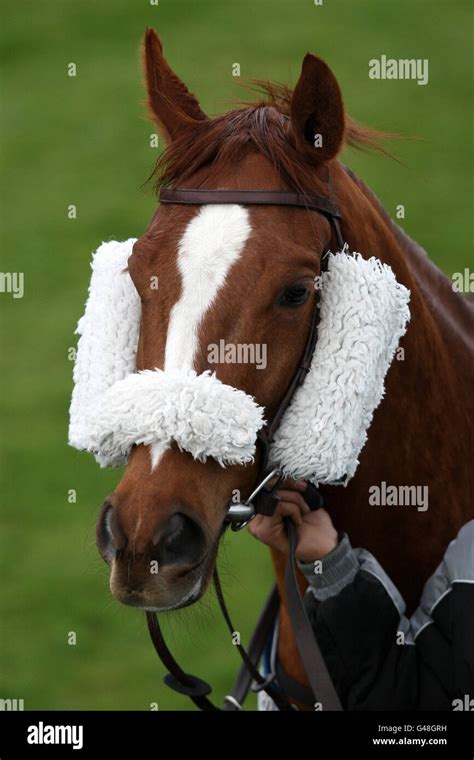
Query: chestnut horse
x,y
250,281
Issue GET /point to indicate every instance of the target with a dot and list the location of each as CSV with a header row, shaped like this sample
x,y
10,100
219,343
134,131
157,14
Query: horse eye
x,y
296,295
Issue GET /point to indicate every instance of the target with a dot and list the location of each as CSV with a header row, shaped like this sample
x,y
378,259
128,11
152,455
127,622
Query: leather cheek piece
x,y
363,314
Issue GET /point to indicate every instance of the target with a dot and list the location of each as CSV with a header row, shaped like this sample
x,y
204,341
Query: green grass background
x,y
85,140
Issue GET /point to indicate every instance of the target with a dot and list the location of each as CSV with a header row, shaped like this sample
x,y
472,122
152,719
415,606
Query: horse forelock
x,y
262,126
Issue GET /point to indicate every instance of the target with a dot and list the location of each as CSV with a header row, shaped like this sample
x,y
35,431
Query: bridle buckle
x,y
232,701
239,515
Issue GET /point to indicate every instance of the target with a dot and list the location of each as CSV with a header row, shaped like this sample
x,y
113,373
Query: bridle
x,y
264,500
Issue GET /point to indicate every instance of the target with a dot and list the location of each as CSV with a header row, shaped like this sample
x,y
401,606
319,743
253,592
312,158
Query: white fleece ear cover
x,y
108,337
364,312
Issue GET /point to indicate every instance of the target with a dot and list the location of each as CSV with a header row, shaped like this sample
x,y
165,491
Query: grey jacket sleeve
x,y
327,577
377,657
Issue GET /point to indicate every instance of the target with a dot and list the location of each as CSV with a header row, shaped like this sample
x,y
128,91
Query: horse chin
x,y
169,590
150,601
192,597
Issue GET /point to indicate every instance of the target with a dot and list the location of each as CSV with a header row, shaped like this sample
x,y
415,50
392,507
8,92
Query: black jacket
x,y
379,659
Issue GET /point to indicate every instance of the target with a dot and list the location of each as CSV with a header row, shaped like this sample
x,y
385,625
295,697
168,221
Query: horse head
x,y
235,296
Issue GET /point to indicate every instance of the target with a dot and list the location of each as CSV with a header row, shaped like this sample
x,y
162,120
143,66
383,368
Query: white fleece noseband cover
x,y
201,414
364,312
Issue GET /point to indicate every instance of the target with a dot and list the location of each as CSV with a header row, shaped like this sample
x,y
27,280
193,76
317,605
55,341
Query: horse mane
x,y
262,126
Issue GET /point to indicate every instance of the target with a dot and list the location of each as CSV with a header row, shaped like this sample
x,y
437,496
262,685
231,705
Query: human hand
x,y
316,535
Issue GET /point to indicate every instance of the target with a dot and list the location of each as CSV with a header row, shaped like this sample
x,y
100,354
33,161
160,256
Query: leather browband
x,y
252,197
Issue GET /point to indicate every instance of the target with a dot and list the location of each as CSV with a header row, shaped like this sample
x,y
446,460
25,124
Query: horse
x,y
245,276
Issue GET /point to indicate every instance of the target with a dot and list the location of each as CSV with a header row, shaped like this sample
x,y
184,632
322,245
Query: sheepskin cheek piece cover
x,y
363,315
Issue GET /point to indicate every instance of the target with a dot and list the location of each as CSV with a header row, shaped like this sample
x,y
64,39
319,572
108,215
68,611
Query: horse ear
x,y
317,111
171,104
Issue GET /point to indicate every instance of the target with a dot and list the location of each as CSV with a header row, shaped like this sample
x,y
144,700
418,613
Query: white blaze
x,y
212,242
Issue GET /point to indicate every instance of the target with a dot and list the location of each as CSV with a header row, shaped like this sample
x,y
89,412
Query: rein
x,y
263,501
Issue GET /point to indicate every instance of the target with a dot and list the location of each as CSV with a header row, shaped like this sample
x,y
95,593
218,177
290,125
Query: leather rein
x,y
264,501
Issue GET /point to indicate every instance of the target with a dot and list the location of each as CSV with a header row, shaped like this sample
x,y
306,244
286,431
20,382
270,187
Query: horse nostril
x,y
182,540
104,536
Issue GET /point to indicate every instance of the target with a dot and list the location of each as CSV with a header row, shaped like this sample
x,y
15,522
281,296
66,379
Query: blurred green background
x,y
85,141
